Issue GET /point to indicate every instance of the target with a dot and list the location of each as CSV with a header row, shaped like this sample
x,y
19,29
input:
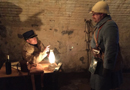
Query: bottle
x,y
8,66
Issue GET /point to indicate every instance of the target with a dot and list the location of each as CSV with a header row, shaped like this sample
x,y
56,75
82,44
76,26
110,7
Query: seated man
x,y
33,50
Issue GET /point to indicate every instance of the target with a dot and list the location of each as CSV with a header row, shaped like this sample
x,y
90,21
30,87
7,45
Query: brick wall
x,y
59,23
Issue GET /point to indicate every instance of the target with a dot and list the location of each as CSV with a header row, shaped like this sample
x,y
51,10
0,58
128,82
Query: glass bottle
x,y
8,65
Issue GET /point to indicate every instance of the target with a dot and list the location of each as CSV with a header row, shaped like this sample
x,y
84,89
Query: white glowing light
x,y
51,57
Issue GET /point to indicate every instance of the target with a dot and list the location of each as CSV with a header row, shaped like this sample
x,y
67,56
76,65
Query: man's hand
x,y
47,49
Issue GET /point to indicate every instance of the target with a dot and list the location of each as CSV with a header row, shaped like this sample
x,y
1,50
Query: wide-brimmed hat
x,y
29,34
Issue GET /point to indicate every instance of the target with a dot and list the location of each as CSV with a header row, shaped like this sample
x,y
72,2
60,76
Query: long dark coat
x,y
105,78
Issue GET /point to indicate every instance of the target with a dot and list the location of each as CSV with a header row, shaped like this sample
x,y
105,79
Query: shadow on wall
x,y
11,29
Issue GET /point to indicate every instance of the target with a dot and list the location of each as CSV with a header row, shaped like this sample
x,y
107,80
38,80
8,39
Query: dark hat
x,y
29,34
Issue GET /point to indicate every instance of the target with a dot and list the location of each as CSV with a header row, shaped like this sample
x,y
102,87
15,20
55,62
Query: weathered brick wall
x,y
59,23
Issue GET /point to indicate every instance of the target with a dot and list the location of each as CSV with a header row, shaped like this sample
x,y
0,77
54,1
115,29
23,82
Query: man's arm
x,y
42,55
111,40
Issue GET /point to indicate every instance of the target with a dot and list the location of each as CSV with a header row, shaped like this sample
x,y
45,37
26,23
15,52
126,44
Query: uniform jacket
x,y
108,41
33,54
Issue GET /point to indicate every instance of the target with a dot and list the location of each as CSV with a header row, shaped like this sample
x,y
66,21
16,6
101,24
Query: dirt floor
x,y
80,81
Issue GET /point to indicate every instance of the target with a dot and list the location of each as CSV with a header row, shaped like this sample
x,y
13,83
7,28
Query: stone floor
x,y
80,81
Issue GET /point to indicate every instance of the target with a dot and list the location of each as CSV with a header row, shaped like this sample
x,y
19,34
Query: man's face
x,y
32,40
97,17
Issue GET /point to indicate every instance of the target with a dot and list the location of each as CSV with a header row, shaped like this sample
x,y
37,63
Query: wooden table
x,y
16,73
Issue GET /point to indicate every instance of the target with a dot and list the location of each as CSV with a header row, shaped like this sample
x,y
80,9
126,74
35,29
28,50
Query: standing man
x,y
33,50
105,46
